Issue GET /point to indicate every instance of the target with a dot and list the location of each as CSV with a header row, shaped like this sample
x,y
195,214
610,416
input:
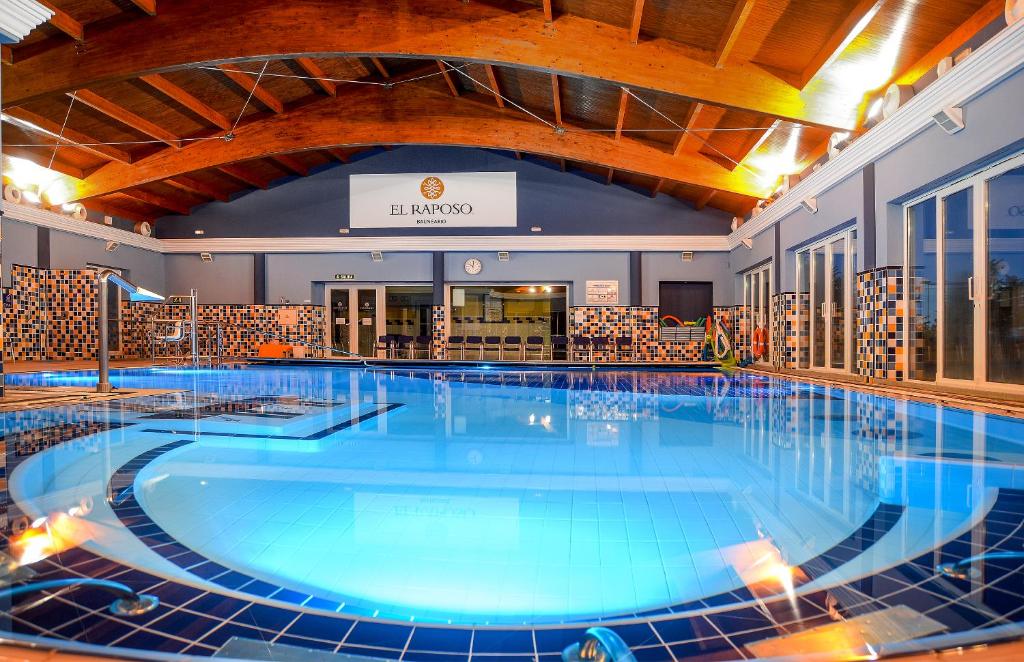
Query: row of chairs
x,y
394,346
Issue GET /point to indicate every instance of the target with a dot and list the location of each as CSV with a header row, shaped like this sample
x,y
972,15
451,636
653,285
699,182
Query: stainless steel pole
x,y
194,312
103,385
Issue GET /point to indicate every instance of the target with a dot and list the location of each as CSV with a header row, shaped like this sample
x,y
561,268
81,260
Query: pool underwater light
x,y
127,603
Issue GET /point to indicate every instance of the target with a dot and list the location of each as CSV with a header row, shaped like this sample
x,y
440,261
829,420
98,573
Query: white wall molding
x,y
993,61
48,219
655,243
450,243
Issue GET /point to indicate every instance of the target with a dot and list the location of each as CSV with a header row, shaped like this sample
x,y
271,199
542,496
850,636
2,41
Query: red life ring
x,y
760,342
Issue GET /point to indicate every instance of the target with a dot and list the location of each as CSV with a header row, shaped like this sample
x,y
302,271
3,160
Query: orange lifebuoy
x,y
760,342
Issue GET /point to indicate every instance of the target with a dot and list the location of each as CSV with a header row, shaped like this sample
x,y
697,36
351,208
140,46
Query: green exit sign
x,y
344,276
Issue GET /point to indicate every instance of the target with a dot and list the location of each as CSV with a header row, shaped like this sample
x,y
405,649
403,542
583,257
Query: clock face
x,y
473,266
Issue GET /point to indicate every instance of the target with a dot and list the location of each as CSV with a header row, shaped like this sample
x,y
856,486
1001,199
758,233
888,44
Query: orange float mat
x,y
275,350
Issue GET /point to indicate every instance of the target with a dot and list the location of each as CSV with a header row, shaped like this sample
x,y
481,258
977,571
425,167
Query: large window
x,y
407,310
922,285
965,269
826,283
1005,243
508,310
757,296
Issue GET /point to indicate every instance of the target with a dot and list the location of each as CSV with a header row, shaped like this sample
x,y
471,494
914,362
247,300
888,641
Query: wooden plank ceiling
x,y
709,101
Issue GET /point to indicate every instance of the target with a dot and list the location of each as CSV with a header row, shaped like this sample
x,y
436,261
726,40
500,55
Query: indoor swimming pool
x,y
442,513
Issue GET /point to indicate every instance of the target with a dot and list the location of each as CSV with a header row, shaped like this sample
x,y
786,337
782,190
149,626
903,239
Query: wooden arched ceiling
x,y
157,85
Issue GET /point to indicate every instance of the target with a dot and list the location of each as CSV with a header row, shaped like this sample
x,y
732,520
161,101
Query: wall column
x,y
636,279
259,278
439,316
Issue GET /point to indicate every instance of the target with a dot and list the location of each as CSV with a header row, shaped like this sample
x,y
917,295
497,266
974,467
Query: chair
x,y
513,343
534,344
385,344
491,343
453,343
599,344
624,345
421,344
582,345
560,343
403,343
474,342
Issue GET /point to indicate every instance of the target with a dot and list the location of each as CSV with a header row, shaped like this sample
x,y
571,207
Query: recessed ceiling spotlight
x,y
536,228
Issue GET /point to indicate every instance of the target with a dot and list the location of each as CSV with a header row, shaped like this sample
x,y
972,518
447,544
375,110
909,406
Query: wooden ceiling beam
x,y
158,200
379,66
988,12
6,54
198,187
339,154
187,100
190,33
313,70
733,30
148,6
549,15
852,25
495,90
126,117
291,164
621,117
657,186
109,208
610,177
42,158
754,139
556,99
452,87
562,165
704,199
699,117
635,21
409,114
63,21
73,138
248,83
246,175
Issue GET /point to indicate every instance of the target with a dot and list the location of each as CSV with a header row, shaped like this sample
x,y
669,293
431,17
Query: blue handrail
x,y
599,645
128,602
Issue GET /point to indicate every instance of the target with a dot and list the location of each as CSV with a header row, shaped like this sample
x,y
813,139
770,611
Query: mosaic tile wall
x,y
638,322
49,314
880,308
791,333
244,327
439,331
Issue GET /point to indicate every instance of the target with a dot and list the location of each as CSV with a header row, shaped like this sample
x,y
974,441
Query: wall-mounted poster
x,y
602,292
423,200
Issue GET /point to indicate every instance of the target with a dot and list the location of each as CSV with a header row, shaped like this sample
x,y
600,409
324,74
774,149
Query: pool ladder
x,y
598,645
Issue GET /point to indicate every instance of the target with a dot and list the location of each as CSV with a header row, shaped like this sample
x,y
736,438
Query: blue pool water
x,y
465,496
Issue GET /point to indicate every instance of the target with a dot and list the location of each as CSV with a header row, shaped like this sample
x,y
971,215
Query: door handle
x,y
970,288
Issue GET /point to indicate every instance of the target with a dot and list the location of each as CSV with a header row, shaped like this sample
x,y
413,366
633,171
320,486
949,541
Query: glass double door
x,y
965,262
354,322
757,296
830,279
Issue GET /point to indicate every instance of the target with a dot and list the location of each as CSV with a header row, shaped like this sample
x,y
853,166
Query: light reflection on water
x,y
503,496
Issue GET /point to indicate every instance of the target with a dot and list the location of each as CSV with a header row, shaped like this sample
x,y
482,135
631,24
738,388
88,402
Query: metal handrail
x,y
599,645
128,602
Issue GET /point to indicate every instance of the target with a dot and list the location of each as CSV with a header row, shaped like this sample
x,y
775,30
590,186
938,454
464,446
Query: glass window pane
x,y
922,304
340,319
511,310
958,309
408,310
837,307
766,303
803,300
817,306
1006,277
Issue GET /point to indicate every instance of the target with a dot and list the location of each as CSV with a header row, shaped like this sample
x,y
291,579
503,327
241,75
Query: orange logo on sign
x,y
432,188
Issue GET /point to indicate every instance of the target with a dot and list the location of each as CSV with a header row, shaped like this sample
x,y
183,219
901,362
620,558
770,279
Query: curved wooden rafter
x,y
191,33
407,115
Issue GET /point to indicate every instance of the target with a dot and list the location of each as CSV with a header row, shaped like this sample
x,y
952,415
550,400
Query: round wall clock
x,y
473,266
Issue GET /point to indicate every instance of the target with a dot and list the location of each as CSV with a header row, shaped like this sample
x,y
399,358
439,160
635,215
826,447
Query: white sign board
x,y
602,292
423,200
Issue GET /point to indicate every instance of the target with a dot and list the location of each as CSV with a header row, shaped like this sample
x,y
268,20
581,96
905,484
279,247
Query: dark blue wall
x,y
561,203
